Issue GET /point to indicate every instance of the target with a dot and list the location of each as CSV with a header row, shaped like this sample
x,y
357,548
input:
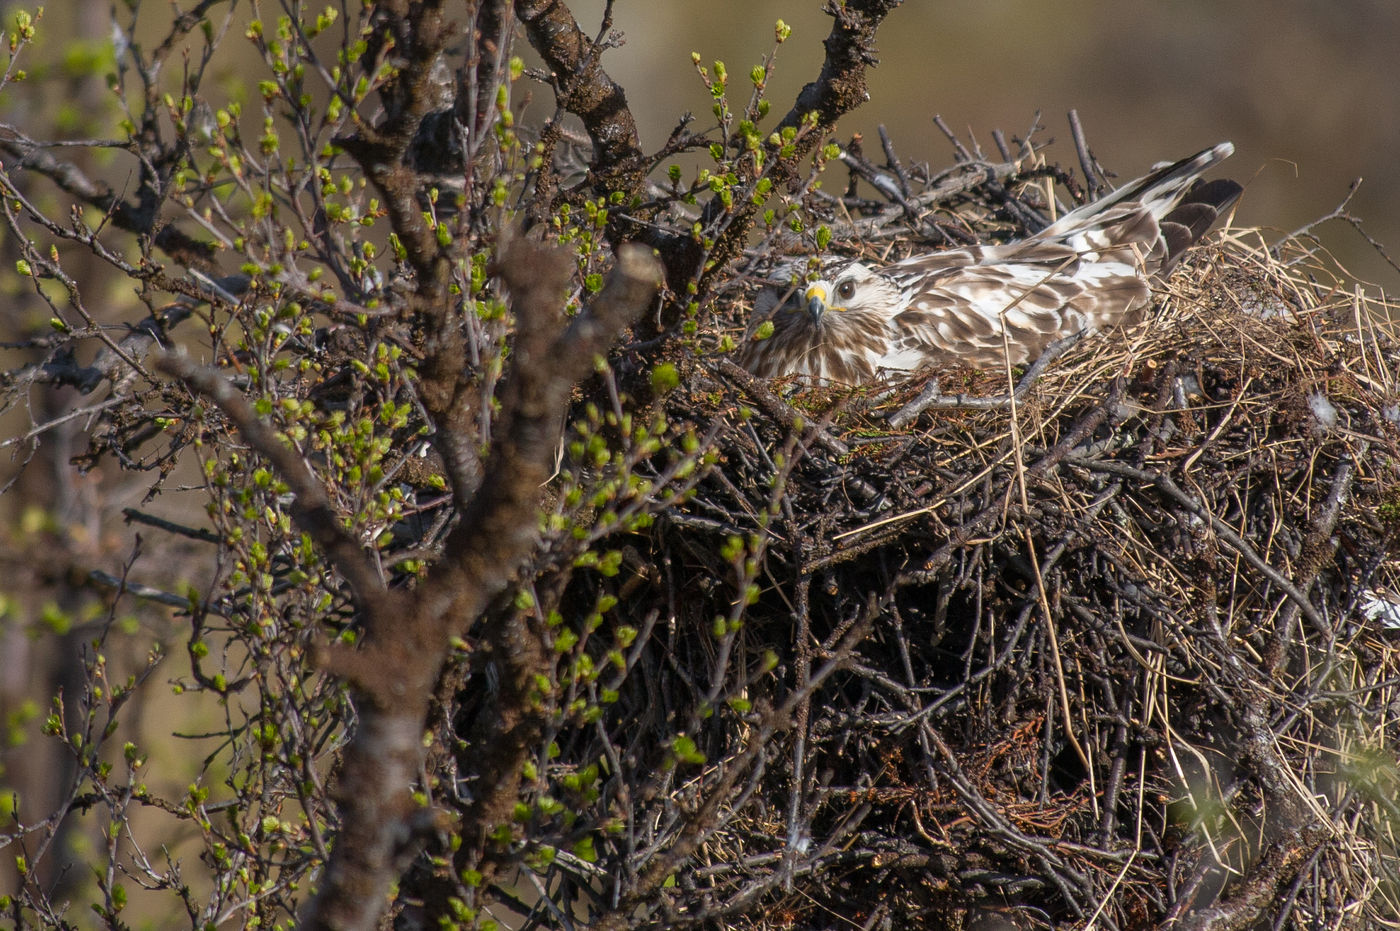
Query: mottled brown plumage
x,y
985,305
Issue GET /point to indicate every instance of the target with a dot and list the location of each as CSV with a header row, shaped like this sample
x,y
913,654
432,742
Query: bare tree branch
x,y
1275,870
133,216
587,91
850,50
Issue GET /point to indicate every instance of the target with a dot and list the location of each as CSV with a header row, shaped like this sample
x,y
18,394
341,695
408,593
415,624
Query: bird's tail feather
x,y
1193,216
1168,210
1159,191
1161,188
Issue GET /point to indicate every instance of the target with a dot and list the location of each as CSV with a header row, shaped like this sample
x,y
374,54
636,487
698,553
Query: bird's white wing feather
x,y
982,311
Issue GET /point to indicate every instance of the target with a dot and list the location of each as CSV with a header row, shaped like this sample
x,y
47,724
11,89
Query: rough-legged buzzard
x,y
981,305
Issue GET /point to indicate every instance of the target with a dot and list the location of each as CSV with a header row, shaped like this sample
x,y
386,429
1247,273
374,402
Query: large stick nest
x,y
1122,647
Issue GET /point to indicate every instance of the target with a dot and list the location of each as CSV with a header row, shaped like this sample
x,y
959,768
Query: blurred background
x,y
1308,90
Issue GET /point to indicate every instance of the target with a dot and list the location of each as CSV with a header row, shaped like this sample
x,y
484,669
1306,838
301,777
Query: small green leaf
x,y
664,378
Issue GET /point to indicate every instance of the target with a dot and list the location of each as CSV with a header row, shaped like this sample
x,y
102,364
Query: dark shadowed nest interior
x,y
1113,648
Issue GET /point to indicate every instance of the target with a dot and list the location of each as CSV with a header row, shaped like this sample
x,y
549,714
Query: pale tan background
x,y
1308,90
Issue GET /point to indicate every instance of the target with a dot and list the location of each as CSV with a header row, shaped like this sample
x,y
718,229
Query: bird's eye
x,y
846,290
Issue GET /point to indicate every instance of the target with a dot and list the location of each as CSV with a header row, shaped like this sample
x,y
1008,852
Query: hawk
x,y
987,305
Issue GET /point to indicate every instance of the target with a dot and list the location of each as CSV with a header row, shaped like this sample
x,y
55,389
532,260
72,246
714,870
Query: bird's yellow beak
x,y
816,302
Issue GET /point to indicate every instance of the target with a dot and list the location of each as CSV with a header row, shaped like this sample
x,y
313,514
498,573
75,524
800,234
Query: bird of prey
x,y
989,305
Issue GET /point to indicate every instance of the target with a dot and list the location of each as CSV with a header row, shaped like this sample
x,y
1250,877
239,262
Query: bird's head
x,y
844,289
830,327
832,323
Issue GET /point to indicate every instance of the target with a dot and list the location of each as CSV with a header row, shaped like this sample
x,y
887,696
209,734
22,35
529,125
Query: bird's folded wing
x,y
981,314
